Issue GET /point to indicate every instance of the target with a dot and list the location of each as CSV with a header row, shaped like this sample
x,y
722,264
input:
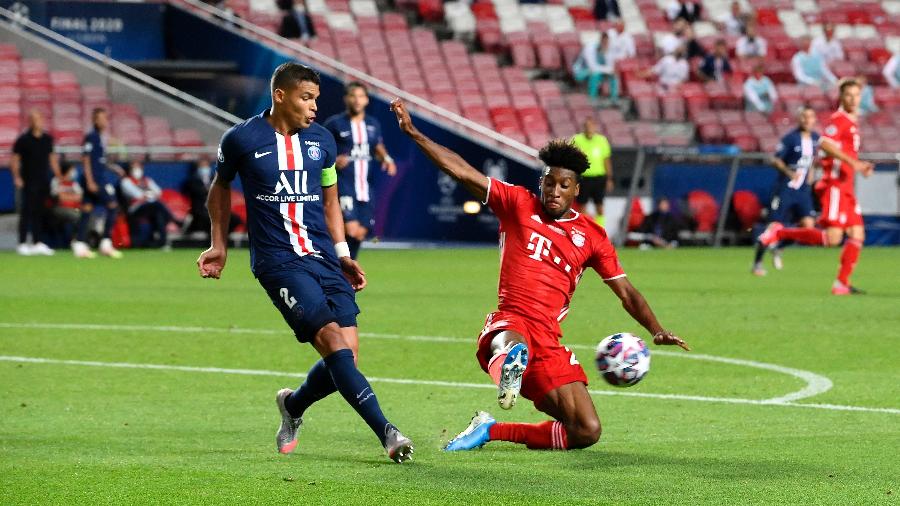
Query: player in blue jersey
x,y
297,247
360,145
792,197
98,180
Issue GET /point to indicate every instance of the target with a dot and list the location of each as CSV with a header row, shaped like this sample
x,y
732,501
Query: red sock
x,y
537,436
812,236
495,366
849,256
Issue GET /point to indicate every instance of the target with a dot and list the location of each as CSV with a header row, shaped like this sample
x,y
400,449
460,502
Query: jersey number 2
x,y
289,301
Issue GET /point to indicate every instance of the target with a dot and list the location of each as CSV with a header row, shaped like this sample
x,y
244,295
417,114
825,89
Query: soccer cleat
x,y
758,270
777,261
106,249
398,447
81,250
770,234
839,288
476,434
25,250
286,437
40,248
511,375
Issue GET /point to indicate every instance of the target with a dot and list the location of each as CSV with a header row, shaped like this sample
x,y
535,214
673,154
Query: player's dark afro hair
x,y
564,154
292,73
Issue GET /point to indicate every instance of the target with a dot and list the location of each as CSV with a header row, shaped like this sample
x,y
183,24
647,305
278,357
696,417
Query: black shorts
x,y
310,293
592,188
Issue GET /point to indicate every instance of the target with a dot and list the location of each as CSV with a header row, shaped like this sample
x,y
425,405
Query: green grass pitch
x,y
81,432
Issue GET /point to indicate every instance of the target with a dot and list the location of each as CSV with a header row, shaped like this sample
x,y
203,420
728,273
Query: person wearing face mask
x,y
142,194
197,189
67,195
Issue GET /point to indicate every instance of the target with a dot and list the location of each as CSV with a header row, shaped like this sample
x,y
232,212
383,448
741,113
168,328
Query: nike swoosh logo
x,y
260,155
345,134
361,393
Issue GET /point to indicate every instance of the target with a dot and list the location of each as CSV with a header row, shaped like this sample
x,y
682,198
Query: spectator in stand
x,y
596,64
661,227
891,71
682,36
759,91
751,45
827,45
67,195
197,190
810,68
295,23
621,43
716,65
688,10
867,103
142,194
671,70
606,9
735,21
32,161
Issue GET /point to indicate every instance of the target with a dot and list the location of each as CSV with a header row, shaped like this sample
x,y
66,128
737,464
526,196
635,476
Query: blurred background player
x,y
545,246
33,161
792,195
841,214
98,180
359,143
297,247
598,179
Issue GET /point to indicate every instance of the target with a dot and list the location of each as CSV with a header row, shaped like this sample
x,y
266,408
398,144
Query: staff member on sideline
x,y
33,159
598,179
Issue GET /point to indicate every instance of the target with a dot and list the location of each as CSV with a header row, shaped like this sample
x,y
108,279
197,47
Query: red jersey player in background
x,y
840,212
545,247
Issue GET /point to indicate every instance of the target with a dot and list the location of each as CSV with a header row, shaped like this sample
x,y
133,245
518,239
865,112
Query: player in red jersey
x,y
840,212
545,247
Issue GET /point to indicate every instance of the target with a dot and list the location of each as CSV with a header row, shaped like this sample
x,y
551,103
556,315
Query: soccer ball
x,y
623,359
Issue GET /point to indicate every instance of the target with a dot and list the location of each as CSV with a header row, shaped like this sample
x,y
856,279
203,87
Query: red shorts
x,y
550,364
839,209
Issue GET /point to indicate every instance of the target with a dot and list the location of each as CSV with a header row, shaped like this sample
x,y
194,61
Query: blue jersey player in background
x,y
297,247
98,180
360,146
792,196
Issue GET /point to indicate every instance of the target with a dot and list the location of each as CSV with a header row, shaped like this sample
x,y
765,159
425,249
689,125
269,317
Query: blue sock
x,y
318,385
354,245
111,214
83,226
356,390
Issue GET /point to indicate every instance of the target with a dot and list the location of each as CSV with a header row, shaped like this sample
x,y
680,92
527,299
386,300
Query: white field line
x,y
815,383
448,384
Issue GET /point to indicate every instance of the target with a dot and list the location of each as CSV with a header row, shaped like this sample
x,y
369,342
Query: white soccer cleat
x,y
106,249
511,375
398,447
777,261
81,250
286,437
42,249
25,250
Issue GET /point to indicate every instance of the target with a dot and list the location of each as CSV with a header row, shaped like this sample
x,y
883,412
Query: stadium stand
x,y
530,99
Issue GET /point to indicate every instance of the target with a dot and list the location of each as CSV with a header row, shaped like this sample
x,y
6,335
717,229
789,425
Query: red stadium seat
x,y
704,209
637,215
747,208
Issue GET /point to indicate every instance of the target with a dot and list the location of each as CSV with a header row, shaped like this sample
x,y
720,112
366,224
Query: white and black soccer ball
x,y
623,359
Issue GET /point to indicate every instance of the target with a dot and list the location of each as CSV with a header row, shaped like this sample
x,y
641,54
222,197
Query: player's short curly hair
x,y
292,73
564,154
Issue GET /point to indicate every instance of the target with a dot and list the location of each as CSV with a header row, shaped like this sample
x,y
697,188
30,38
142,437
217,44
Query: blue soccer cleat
x,y
511,375
476,434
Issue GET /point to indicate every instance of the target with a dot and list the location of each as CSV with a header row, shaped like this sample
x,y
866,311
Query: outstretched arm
x,y
637,307
448,161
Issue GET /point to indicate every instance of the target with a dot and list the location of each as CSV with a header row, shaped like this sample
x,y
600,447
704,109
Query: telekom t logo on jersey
x,y
540,245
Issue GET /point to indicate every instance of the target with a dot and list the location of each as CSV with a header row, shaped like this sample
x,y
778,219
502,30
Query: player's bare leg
x,y
576,426
507,365
355,233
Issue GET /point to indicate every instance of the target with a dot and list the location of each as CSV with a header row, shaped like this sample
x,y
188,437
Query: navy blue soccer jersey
x,y
94,146
358,140
798,153
282,180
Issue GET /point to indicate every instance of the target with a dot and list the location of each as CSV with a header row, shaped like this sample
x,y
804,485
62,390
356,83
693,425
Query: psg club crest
x,y
314,153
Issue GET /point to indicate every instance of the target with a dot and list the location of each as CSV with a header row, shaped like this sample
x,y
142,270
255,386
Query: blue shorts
x,y
355,210
310,293
790,205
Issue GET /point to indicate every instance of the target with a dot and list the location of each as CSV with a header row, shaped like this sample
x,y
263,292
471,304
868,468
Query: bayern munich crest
x,y
578,240
314,153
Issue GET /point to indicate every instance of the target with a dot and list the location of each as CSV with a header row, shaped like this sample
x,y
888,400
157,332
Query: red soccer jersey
x,y
843,131
541,259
